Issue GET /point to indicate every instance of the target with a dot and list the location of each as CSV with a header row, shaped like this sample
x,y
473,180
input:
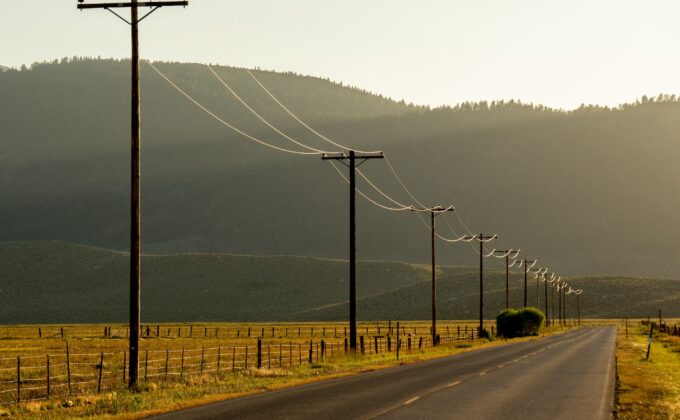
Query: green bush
x,y
519,322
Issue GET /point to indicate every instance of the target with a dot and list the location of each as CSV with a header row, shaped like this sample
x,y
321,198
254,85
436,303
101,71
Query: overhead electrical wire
x,y
368,198
321,136
241,132
249,108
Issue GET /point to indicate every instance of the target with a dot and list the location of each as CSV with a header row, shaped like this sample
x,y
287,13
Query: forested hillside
x,y
553,183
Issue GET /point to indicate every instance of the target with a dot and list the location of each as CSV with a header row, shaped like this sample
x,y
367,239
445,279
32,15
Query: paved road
x,y
568,376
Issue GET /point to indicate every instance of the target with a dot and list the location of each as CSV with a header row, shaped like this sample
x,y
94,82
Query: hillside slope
x,y
587,192
54,282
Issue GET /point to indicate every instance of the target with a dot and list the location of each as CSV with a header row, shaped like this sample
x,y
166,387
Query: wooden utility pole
x,y
526,270
433,213
352,157
507,253
482,240
545,287
135,233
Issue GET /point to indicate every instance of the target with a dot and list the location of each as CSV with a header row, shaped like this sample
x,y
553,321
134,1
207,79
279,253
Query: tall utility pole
x,y
482,239
537,273
352,158
507,253
433,213
545,287
135,234
526,268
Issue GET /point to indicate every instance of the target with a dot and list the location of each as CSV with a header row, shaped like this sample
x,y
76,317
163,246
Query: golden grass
x,y
647,389
158,397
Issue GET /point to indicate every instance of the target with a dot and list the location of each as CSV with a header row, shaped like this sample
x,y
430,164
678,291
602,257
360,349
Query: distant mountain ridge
x,y
587,192
55,282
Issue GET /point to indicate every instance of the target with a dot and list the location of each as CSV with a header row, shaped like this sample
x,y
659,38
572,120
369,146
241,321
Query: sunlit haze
x,y
556,53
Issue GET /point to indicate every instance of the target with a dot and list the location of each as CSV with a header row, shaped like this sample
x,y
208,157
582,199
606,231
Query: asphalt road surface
x,y
566,376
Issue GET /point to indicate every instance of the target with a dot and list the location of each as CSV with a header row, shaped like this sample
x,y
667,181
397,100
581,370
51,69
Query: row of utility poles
x,y
350,158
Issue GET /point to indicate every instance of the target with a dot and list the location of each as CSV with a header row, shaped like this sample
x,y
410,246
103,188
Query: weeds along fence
x,y
220,331
34,378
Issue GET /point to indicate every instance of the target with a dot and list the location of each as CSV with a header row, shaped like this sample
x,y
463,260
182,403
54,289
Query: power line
x,y
249,108
206,110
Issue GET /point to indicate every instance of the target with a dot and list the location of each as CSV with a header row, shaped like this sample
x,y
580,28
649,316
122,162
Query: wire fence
x,y
34,378
212,331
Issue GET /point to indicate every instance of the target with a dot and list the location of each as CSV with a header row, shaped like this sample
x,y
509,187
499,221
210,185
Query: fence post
x,y
299,354
389,343
375,343
233,358
219,356
361,340
124,365
167,360
245,364
68,368
39,332
62,332
181,368
48,376
323,349
101,369
290,354
248,333
420,343
398,340
311,350
191,331
409,343
18,379
259,352
280,355
269,356
202,357
649,340
146,363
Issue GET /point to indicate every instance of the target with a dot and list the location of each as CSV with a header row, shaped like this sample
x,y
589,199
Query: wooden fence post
x,y
18,379
233,359
146,363
68,368
397,340
269,356
361,341
219,356
39,332
259,352
245,365
124,365
202,358
62,332
311,350
101,369
167,360
375,343
48,376
181,367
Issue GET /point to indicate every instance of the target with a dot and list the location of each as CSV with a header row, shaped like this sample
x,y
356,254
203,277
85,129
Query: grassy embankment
x,y
157,397
647,388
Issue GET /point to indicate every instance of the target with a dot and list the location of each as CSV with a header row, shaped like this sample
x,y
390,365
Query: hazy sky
x,y
558,53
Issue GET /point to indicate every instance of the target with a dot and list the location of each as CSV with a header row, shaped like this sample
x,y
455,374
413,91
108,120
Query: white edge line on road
x,y
414,399
482,373
453,384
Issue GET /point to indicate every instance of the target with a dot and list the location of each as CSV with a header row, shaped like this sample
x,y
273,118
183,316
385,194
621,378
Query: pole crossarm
x,y
114,5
